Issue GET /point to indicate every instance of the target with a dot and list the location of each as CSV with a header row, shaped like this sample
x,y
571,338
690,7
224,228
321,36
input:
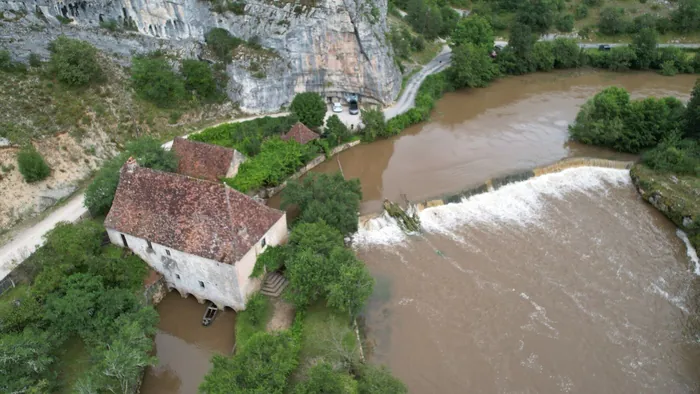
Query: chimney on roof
x,y
131,164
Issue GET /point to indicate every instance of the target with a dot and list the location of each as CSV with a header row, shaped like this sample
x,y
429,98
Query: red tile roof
x,y
199,217
201,160
300,133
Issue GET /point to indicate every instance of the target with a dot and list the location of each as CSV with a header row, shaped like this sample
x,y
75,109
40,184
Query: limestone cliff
x,y
328,46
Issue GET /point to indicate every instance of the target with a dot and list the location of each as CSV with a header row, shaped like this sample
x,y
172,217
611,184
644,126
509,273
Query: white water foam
x,y
690,251
518,203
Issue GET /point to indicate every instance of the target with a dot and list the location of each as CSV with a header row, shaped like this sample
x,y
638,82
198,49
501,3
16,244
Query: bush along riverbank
x,y
328,287
475,64
83,324
666,132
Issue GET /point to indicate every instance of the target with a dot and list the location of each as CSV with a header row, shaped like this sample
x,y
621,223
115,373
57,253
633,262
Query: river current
x,y
567,282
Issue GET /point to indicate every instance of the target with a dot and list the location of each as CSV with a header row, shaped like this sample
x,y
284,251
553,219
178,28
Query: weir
x,y
488,186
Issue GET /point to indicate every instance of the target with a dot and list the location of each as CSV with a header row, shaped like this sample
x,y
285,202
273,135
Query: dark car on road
x,y
604,47
354,108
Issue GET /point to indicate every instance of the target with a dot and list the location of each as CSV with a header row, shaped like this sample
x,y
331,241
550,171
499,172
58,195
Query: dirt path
x,y
25,242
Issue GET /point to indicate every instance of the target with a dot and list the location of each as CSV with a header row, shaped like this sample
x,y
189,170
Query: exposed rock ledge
x,y
677,197
331,47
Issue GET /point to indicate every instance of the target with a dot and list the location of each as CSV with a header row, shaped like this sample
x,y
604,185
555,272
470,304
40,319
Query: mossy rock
x,y
676,196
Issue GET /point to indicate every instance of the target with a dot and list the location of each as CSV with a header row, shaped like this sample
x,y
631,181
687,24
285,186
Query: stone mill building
x,y
201,235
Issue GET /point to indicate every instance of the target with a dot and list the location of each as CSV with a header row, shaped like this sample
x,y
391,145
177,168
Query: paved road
x,y
408,97
26,241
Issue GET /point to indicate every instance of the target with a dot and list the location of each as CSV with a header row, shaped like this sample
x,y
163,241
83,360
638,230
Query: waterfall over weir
x,y
565,282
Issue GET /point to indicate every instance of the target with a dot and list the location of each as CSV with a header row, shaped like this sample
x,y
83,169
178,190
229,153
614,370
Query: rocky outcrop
x,y
327,46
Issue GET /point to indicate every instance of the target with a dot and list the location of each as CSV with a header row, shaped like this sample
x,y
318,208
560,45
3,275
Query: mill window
x,y
178,277
263,243
150,246
167,251
126,245
201,284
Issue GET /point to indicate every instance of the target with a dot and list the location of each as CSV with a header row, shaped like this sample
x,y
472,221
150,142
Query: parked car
x,y
354,108
604,47
337,108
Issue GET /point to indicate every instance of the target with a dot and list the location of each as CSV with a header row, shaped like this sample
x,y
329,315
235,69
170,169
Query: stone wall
x,y
330,46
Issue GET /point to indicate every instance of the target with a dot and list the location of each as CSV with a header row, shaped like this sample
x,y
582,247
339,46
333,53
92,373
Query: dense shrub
x,y
276,161
262,366
542,56
325,197
222,43
610,119
378,380
425,18
565,23
612,21
147,152
74,62
473,30
581,11
567,53
692,114
374,124
336,132
617,59
7,64
309,108
199,79
34,60
246,137
32,165
673,57
471,66
85,292
686,17
644,45
675,155
322,378
154,80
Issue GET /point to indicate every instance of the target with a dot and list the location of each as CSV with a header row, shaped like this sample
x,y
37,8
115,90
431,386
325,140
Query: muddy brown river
x,y
563,283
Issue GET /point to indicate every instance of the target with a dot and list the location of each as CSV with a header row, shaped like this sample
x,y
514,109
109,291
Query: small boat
x,y
209,314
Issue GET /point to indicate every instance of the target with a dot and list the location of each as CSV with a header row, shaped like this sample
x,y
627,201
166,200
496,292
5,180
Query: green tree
x,y
326,197
262,366
353,286
601,119
567,53
612,21
374,124
74,62
474,29
100,193
692,114
120,364
621,58
644,45
323,379
686,18
674,155
154,80
449,19
543,56
199,78
70,309
378,380
336,131
32,165
277,160
222,43
309,108
565,23
26,361
472,67
147,151
318,237
539,15
581,11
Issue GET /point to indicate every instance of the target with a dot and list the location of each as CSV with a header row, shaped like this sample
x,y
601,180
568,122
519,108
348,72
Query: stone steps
x,y
274,284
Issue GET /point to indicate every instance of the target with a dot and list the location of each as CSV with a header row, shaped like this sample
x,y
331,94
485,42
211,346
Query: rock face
x,y
332,47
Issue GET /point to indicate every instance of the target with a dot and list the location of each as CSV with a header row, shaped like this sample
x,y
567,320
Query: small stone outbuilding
x,y
206,161
301,134
202,236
